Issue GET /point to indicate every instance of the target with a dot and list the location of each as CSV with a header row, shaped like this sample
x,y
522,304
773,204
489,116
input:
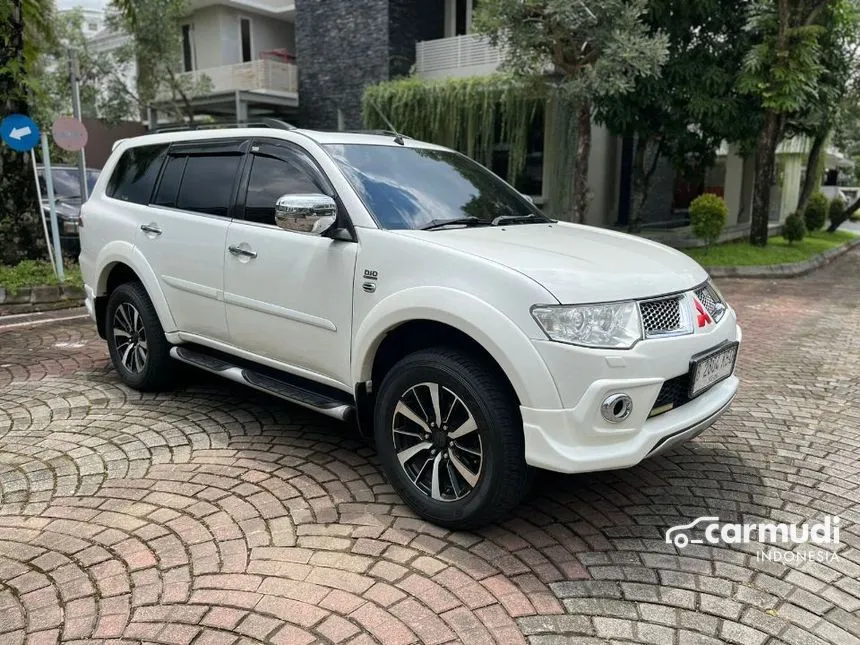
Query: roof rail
x,y
275,124
385,132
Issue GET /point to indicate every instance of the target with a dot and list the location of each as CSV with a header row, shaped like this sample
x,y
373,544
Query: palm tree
x,y
24,28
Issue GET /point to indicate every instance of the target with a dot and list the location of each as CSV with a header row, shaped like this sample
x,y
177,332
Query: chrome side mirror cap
x,y
312,214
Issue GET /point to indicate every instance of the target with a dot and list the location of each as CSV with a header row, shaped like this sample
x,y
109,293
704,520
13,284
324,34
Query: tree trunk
x,y
644,166
814,164
848,213
581,194
765,161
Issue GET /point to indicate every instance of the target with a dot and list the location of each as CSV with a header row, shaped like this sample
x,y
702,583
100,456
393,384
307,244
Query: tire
x,y
138,349
480,475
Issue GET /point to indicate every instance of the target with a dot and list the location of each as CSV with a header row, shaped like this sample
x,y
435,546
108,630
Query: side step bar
x,y
305,397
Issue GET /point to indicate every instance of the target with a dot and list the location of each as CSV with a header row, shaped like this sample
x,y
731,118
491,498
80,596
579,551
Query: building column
x,y
241,109
733,185
790,185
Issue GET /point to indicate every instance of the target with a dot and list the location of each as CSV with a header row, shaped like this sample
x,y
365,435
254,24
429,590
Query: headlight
x,y
612,325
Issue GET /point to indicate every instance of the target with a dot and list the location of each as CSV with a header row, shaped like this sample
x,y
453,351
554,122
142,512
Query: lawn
x,y
777,251
30,273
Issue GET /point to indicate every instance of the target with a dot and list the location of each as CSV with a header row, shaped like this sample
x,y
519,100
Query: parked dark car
x,y
67,194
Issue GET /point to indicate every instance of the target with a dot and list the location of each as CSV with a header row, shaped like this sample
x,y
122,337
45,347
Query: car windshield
x,y
66,184
421,188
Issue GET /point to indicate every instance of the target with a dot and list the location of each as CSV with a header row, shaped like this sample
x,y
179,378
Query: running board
x,y
303,396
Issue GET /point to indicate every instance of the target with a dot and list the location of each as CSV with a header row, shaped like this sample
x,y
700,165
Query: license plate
x,y
711,368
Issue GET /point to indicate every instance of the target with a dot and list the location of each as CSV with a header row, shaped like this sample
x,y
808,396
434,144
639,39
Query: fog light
x,y
616,407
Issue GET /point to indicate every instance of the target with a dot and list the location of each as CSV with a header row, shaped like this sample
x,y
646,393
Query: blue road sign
x,y
19,132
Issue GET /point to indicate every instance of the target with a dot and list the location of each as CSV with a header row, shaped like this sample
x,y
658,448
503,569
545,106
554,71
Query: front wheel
x,y
450,438
138,349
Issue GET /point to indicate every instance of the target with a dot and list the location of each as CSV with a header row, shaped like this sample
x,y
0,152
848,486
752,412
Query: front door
x,y
186,231
288,294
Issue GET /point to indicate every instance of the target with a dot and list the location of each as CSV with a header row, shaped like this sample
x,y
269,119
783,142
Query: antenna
x,y
398,138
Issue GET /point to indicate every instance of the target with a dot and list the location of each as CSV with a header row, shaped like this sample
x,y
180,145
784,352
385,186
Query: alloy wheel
x,y
436,442
129,337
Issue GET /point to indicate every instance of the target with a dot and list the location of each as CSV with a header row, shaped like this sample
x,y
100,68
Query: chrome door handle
x,y
238,250
150,228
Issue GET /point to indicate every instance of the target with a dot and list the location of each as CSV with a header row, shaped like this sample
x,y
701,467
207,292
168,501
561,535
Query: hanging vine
x,y
472,115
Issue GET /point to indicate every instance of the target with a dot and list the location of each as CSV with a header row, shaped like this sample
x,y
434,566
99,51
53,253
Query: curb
x,y
35,299
790,270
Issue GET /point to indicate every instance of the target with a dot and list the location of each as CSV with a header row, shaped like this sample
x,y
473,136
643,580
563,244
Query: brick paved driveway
x,y
212,515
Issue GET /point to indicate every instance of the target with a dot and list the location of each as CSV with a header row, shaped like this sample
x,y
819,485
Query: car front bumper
x,y
576,437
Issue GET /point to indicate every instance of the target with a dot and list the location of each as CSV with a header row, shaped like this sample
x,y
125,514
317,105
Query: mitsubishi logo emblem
x,y
703,317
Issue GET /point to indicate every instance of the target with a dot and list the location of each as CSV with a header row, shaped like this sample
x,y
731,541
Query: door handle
x,y
238,250
150,228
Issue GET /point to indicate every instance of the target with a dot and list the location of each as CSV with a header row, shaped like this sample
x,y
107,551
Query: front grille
x,y
675,391
710,301
660,317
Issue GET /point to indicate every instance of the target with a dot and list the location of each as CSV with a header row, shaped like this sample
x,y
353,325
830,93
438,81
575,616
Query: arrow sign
x,y
19,132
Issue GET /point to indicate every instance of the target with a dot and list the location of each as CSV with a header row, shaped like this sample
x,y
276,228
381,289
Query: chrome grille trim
x,y
666,316
711,301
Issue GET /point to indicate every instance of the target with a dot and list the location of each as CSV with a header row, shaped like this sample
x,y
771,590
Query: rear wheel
x,y
450,438
138,349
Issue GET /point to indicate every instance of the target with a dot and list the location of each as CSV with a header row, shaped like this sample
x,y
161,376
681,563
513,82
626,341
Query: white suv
x,y
399,283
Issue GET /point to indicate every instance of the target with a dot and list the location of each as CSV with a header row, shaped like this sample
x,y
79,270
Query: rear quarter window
x,y
135,174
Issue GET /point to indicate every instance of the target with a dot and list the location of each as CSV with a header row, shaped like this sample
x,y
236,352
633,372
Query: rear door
x,y
185,236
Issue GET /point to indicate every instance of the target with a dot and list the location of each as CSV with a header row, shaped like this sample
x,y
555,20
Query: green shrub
x,y
836,213
794,228
816,212
708,215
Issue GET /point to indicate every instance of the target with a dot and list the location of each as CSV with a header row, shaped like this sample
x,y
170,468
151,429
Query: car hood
x,y
577,263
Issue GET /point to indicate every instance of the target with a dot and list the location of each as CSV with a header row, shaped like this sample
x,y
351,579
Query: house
x,y
246,50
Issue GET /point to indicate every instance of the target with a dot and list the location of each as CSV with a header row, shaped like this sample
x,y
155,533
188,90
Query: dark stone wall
x,y
341,46
410,21
345,45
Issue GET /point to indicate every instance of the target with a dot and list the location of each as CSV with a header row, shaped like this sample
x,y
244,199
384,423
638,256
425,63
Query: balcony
x,y
261,75
468,55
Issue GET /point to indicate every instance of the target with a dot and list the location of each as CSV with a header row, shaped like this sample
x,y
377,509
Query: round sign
x,y
19,132
69,133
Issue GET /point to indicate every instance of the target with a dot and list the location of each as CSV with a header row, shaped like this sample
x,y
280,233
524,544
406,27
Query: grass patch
x,y
31,273
777,251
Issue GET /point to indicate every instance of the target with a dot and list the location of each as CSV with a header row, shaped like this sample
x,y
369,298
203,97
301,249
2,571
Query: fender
x,y
117,252
494,331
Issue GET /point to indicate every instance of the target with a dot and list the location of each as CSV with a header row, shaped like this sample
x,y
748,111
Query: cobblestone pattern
x,y
212,515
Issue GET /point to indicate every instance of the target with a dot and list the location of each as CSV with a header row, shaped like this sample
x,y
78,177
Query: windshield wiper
x,y
461,221
512,219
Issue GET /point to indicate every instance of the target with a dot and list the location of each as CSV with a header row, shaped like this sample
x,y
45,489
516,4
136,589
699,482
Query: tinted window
x,y
207,185
168,187
136,171
415,187
270,179
66,183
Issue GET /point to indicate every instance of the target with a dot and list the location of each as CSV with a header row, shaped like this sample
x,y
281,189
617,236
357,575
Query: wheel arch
x,y
403,323
121,262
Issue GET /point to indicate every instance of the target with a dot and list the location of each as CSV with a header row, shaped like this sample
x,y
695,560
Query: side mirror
x,y
313,214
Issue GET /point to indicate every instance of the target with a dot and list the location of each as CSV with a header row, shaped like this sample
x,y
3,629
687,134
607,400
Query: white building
x,y
246,48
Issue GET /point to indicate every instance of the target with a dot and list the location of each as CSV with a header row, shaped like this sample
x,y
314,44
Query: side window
x,y
207,183
135,174
272,178
168,187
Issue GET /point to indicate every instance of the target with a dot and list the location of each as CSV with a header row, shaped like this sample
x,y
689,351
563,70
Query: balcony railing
x,y
271,75
456,56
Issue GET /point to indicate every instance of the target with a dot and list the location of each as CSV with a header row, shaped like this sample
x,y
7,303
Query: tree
x,y
103,91
156,47
838,92
783,71
686,112
24,28
595,49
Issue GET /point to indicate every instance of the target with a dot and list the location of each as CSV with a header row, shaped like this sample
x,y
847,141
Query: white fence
x,y
254,75
457,56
